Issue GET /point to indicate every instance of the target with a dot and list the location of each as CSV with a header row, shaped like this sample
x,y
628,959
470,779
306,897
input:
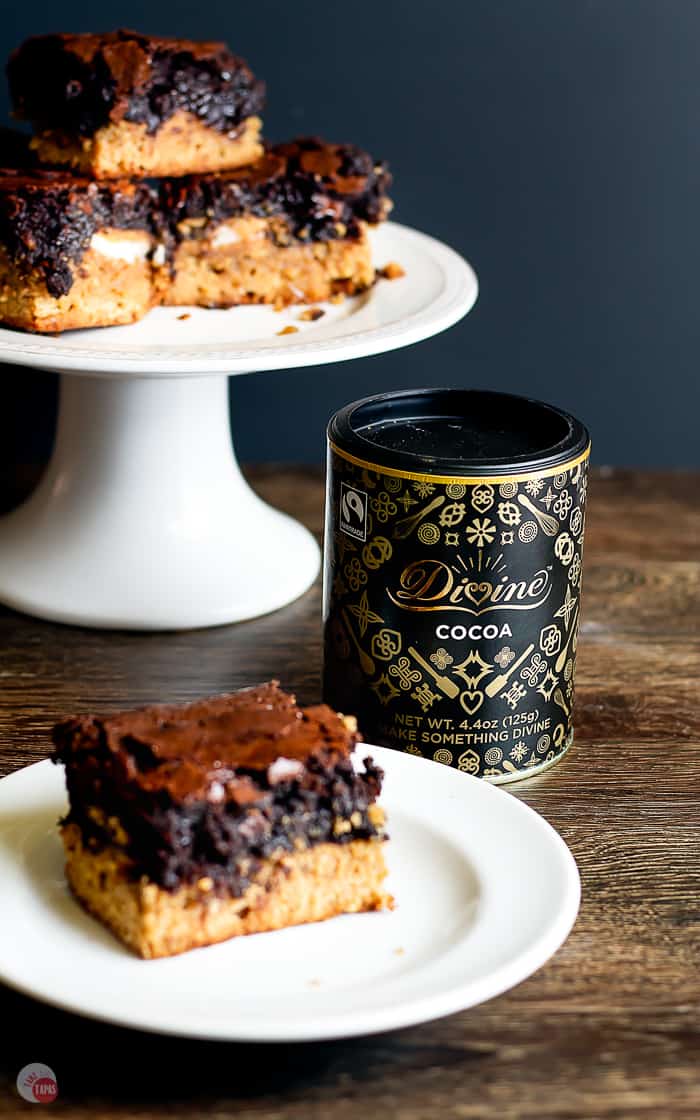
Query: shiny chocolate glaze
x,y
76,84
215,787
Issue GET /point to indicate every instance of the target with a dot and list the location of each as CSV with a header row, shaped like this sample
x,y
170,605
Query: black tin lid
x,y
457,432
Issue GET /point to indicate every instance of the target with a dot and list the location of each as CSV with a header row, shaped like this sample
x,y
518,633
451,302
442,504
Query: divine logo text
x,y
432,585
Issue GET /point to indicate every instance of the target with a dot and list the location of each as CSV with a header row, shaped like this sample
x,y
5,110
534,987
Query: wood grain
x,y
610,1027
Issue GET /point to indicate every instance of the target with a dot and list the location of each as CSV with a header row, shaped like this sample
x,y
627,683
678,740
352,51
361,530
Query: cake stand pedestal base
x,y
143,519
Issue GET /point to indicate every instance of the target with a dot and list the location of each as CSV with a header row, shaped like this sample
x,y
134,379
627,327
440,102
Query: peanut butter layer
x,y
181,145
256,260
107,288
289,888
214,787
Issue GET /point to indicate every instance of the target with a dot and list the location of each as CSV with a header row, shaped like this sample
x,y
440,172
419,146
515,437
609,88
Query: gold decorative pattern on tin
x,y
363,614
473,658
423,488
448,686
548,685
527,531
354,574
509,513
508,489
441,659
567,608
376,552
559,663
469,762
564,549
366,661
575,570
562,505
406,501
404,674
425,696
479,678
482,497
406,525
514,694
383,506
471,701
391,483
559,699
386,644
532,672
384,689
559,735
547,524
452,514
481,532
428,533
550,639
495,686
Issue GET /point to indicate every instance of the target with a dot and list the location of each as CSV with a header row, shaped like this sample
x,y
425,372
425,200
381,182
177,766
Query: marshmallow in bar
x,y
232,815
126,104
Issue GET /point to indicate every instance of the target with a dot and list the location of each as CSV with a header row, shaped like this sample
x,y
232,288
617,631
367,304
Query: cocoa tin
x,y
453,552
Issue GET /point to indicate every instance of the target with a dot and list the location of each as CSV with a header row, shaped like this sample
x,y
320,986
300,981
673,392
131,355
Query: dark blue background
x,y
556,143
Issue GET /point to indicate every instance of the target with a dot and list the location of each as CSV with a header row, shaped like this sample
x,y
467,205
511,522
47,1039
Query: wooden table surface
x,y
609,1027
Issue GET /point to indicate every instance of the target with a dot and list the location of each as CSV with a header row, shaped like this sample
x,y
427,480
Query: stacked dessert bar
x,y
146,182
238,814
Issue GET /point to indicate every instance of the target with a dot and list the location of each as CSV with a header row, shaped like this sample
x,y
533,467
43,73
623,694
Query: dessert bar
x,y
237,814
291,228
124,104
73,253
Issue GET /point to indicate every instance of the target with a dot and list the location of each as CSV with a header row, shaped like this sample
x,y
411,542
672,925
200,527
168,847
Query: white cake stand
x,y
143,520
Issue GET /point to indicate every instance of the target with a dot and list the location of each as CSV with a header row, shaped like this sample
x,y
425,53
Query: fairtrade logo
x,y
36,1083
353,512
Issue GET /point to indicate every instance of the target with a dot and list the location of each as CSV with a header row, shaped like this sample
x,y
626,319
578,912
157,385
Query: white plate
x,y
485,889
438,289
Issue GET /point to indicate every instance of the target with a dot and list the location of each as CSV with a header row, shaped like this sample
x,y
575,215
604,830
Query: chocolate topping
x,y
182,749
214,787
78,83
322,190
47,218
